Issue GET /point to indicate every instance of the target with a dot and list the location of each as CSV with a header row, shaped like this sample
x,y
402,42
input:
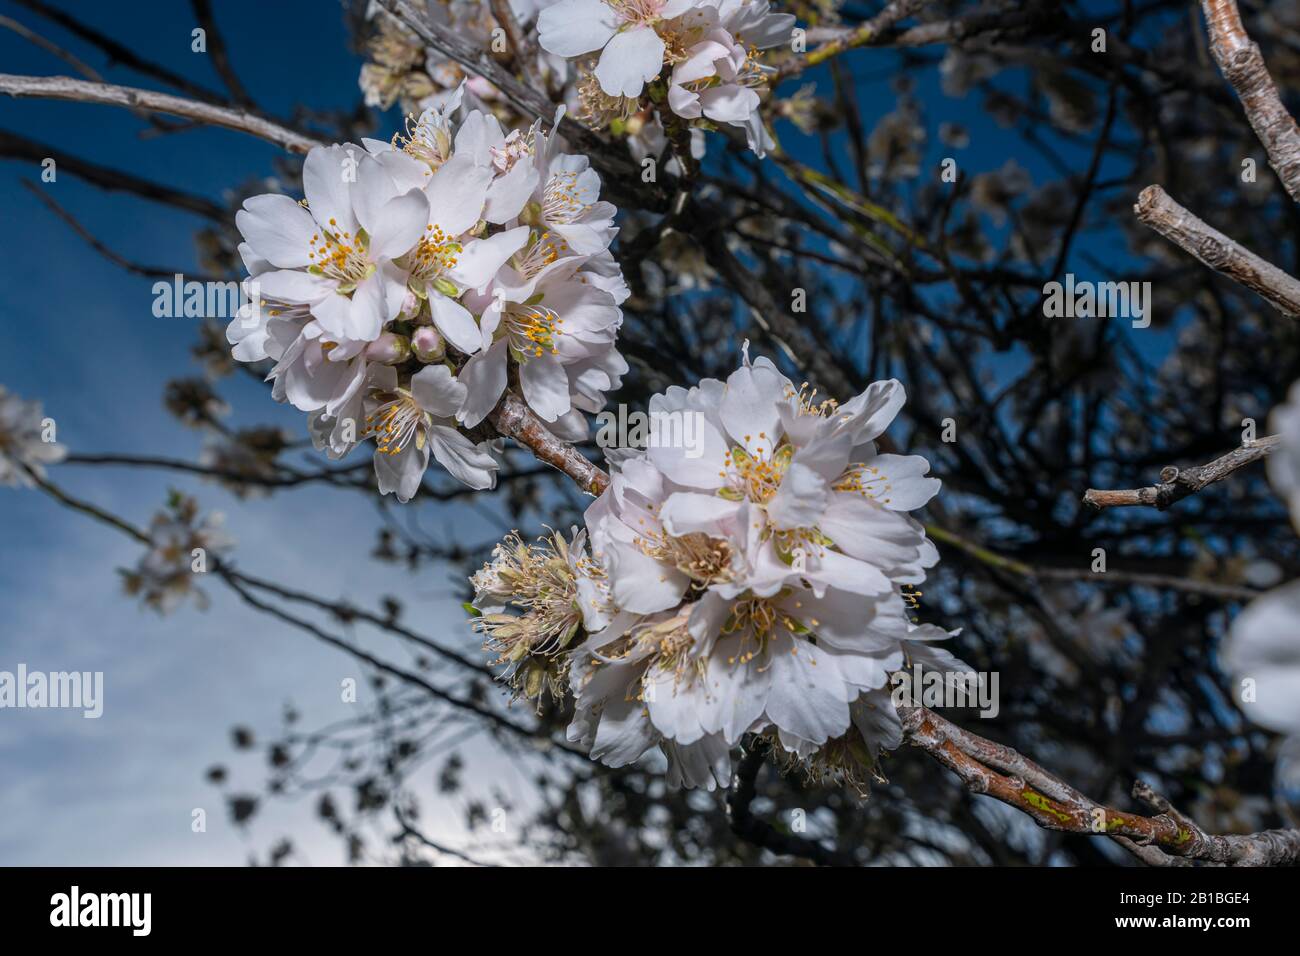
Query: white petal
x,y
629,61
278,230
545,386
438,391
484,376
456,194
574,27
801,499
470,464
327,179
454,321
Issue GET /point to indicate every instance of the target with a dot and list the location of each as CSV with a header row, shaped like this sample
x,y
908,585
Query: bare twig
x,y
864,35
150,272
83,91
1157,209
216,47
521,41
13,146
1177,483
1243,67
1001,562
1000,772
31,36
119,53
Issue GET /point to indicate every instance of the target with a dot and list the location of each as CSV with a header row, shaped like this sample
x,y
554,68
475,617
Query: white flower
x,y
623,31
709,45
415,274
336,256
1263,647
410,422
554,323
182,545
762,585
23,447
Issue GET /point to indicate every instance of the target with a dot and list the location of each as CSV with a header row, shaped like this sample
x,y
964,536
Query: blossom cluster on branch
x,y
761,580
398,296
622,65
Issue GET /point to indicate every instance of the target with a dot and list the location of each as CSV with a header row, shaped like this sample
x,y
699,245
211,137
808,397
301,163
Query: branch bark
x,y
1177,483
1243,67
133,98
1002,773
512,418
1157,209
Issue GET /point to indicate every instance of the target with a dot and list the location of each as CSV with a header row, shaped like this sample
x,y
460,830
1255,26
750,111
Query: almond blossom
x,y
709,47
760,581
24,451
394,299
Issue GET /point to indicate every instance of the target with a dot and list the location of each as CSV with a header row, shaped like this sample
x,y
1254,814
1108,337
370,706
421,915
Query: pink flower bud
x,y
389,349
428,344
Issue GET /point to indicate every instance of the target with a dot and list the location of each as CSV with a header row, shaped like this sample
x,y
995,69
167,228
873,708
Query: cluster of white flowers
x,y
26,444
760,581
1262,647
394,299
597,57
705,50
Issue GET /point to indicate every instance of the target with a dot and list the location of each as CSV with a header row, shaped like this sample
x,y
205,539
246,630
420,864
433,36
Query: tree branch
x,y
1243,67
129,97
1000,772
1155,208
1177,483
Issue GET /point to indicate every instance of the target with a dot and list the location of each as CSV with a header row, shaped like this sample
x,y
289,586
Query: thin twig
x,y
49,46
150,272
1177,483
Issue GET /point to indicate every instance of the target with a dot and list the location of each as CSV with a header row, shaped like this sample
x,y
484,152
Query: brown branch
x,y
513,418
1243,67
521,43
863,35
1157,209
1002,773
133,98
1177,483
13,146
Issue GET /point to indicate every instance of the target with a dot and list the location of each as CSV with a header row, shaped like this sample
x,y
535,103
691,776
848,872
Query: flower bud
x,y
428,344
389,349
